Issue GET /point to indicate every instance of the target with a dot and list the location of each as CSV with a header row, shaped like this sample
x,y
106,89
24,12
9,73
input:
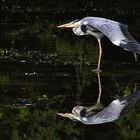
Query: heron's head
x,y
75,25
71,116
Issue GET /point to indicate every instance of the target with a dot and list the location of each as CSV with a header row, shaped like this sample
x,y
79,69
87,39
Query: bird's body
x,y
98,27
116,32
116,109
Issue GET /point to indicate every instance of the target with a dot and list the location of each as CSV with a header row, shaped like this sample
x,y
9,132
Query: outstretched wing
x,y
110,113
117,109
115,31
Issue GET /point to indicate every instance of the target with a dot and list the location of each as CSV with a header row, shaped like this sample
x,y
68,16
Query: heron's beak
x,y
67,25
66,115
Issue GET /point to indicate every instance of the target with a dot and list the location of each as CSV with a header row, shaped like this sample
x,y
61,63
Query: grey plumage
x,y
98,27
116,32
116,109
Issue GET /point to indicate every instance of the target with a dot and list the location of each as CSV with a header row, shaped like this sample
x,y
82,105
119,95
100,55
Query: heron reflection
x,y
98,114
88,111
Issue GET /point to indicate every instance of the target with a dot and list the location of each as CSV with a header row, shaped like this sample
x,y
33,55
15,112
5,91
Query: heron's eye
x,y
83,28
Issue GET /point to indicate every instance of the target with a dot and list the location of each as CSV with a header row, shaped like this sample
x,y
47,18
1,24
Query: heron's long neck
x,y
97,35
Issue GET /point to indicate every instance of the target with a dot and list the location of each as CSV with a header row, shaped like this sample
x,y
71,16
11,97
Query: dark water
x,y
44,70
32,95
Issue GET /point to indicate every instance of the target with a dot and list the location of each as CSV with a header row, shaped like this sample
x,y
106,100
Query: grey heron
x,y
116,109
98,27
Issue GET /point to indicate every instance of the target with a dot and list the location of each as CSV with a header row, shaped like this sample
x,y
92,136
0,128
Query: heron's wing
x,y
116,32
131,99
117,109
129,43
110,113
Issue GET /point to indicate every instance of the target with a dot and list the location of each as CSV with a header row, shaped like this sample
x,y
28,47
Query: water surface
x,y
44,70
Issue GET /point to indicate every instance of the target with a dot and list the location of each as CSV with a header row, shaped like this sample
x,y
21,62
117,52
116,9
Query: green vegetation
x,y
129,127
35,124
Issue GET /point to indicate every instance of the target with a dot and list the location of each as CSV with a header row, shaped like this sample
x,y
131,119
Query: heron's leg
x,y
100,54
135,57
99,87
98,106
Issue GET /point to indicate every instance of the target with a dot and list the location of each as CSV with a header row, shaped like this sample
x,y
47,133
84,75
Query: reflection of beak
x,y
66,115
67,25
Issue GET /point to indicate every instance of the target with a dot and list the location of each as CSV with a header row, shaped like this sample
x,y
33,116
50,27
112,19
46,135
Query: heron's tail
x,y
130,101
128,42
133,46
132,98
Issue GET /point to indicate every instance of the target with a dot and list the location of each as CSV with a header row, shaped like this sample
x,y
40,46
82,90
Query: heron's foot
x,y
97,107
89,111
97,70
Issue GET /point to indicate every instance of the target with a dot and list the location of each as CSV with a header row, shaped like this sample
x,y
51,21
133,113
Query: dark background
x,y
45,70
16,15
